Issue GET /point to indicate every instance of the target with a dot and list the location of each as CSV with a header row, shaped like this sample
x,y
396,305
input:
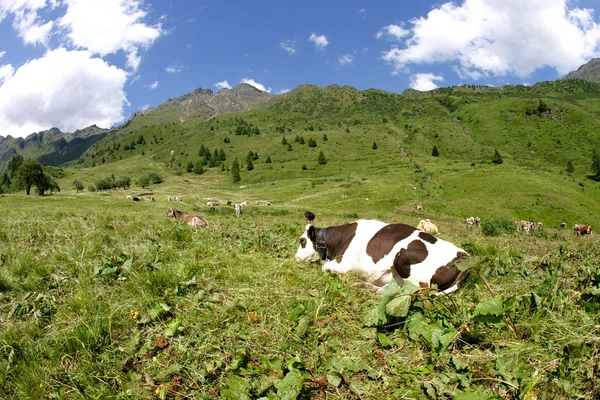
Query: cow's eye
x,y
303,242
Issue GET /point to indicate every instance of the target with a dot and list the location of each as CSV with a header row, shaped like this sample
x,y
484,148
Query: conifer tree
x,y
435,151
235,171
322,160
497,157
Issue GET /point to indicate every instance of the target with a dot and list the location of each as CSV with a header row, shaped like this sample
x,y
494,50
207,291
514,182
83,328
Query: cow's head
x,y
308,245
171,213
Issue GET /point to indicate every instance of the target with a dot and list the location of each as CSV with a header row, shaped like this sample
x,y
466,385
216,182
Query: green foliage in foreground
x,y
105,298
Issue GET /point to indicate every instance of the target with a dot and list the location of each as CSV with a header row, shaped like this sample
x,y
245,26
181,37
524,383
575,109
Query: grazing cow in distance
x,y
244,204
470,222
367,199
188,219
427,226
379,252
577,227
129,197
238,210
420,208
478,222
309,216
563,225
229,202
344,196
585,230
135,198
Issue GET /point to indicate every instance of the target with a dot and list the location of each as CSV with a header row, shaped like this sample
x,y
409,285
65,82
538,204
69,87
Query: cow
x,y
577,227
135,198
379,252
129,197
470,222
427,226
229,202
585,230
189,219
478,222
309,216
563,225
344,196
238,210
420,208
244,204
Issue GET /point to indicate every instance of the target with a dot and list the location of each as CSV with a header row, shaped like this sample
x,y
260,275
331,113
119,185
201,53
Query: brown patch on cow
x,y
423,285
384,241
428,237
303,242
415,253
337,240
312,235
447,275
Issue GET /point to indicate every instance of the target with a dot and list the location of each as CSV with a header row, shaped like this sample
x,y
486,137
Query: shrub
x,y
91,188
496,227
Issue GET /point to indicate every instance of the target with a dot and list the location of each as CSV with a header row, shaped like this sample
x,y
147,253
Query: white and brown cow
x,y
426,225
185,218
379,252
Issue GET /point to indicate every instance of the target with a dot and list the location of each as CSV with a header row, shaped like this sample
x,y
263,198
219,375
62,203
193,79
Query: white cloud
x,y
223,85
501,37
144,107
2,53
320,41
346,59
282,91
6,71
257,85
65,89
424,82
108,26
289,46
26,21
395,32
173,70
153,85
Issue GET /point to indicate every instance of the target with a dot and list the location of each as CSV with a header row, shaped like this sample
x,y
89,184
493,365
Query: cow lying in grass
x,y
379,252
185,218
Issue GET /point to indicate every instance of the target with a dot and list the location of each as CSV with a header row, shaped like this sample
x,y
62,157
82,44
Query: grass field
x,y
101,297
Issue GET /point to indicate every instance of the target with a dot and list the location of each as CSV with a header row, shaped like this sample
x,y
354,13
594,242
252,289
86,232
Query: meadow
x,y
102,297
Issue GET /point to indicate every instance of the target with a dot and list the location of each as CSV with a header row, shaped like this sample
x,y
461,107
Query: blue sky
x,y
73,63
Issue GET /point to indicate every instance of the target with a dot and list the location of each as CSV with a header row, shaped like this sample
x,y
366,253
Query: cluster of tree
x,y
148,179
541,108
24,173
235,171
246,128
210,159
249,158
110,182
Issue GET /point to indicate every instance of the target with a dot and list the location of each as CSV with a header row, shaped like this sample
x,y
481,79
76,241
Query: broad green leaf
x,y
399,306
472,396
384,341
490,307
334,378
172,327
165,375
291,385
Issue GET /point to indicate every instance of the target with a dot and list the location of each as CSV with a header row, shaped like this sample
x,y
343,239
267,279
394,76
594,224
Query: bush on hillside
x,y
499,226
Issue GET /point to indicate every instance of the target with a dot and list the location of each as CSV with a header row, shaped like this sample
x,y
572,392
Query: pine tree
x,y
570,167
284,140
374,146
268,160
322,160
497,157
198,170
249,165
596,164
324,137
435,151
235,171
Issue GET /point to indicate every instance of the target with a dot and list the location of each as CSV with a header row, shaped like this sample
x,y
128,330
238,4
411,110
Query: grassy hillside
x,y
104,297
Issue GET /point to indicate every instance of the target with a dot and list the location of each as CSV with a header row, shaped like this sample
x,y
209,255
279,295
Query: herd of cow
x,y
379,252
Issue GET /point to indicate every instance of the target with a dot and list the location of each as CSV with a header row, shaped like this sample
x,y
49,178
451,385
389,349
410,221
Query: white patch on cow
x,y
379,274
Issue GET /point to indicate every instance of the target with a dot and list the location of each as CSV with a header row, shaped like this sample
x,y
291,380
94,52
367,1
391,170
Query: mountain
x,y
51,146
202,104
589,71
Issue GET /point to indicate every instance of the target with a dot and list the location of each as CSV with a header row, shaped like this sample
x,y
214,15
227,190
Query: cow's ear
x,y
312,233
